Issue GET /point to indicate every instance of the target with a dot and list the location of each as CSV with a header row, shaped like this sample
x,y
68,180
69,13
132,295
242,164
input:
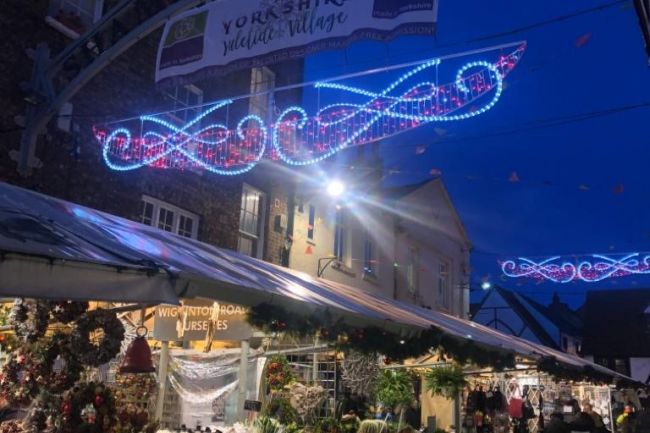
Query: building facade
x,y
237,213
617,331
405,243
555,325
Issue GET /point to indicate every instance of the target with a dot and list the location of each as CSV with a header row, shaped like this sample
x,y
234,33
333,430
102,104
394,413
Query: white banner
x,y
224,36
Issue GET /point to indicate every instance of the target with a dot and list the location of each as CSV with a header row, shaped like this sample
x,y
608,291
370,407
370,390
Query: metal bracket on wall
x,y
328,261
45,100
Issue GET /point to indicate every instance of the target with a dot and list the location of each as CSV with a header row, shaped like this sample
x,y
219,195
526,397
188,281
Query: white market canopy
x,y
53,249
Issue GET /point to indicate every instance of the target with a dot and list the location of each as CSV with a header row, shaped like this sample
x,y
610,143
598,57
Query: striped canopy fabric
x,y
53,249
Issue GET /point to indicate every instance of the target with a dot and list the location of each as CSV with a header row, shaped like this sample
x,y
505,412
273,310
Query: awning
x,y
50,248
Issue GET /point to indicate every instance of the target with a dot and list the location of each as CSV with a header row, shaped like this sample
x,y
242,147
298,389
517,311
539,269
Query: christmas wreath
x,y
107,348
67,311
88,408
278,373
63,378
29,318
31,369
19,378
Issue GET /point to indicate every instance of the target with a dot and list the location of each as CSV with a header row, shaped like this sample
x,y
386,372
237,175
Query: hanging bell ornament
x,y
137,358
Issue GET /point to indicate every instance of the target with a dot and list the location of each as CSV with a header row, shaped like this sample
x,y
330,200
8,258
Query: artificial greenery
x,y
395,388
446,381
279,407
265,424
329,425
373,340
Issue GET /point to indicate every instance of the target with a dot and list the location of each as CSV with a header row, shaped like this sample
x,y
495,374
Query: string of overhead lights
x,y
592,268
300,139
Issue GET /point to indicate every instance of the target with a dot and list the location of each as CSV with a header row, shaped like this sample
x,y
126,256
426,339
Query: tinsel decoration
x,y
30,319
360,372
92,354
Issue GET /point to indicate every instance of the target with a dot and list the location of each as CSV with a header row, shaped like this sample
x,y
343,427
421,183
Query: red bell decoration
x,y
138,355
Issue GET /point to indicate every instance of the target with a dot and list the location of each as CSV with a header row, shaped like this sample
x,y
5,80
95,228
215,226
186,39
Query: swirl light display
x,y
353,116
596,267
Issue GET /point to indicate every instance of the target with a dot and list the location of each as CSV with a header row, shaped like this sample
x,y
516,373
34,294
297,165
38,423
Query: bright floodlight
x,y
485,285
335,188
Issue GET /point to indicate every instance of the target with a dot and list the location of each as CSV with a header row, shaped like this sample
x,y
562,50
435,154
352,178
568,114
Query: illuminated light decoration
x,y
355,116
593,268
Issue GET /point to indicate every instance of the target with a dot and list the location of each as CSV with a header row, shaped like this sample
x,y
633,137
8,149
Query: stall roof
x,y
50,248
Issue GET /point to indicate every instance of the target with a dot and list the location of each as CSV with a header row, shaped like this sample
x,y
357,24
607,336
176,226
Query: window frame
x,y
257,238
370,268
311,223
177,212
262,84
341,233
412,270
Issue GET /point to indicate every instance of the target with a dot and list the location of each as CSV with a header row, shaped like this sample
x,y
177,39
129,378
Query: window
x,y
185,226
620,366
443,284
412,266
369,260
262,82
165,216
185,99
312,221
251,219
166,219
340,234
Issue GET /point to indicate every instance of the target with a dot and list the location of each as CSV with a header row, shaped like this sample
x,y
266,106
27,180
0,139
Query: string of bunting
x,y
372,339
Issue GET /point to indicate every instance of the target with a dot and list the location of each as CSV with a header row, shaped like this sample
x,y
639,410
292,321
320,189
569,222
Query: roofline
x,y
445,194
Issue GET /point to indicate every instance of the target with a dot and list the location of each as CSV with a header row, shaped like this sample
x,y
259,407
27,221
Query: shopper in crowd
x,y
598,420
556,424
582,422
625,421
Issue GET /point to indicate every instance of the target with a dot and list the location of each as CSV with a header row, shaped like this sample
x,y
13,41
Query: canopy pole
x,y
243,381
314,366
162,379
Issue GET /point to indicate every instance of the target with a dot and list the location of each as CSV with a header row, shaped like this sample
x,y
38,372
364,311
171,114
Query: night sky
x,y
583,180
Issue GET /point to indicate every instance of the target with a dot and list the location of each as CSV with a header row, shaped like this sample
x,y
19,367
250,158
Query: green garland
x,y
274,319
561,372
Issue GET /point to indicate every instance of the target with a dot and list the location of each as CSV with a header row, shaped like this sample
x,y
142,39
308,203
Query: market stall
x,y
51,242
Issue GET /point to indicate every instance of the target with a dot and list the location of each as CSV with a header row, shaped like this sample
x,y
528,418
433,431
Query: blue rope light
x,y
300,139
594,268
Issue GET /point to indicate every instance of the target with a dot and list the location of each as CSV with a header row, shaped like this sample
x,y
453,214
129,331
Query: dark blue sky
x,y
565,202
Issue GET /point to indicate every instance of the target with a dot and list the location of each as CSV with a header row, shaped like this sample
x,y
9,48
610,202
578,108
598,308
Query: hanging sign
x,y
228,35
194,319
